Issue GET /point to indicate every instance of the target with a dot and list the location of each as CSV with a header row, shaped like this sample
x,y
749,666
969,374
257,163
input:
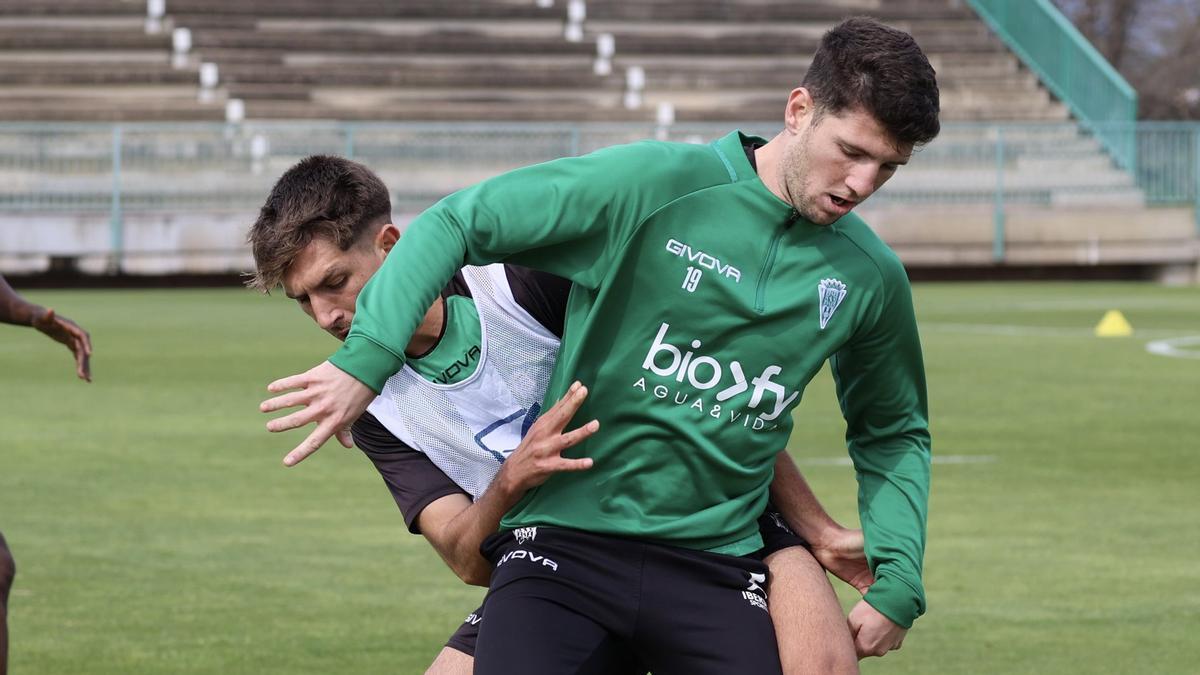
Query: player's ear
x,y
387,237
800,108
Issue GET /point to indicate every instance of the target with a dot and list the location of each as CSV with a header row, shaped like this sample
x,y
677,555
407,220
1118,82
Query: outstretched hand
x,y
841,552
540,453
328,396
61,329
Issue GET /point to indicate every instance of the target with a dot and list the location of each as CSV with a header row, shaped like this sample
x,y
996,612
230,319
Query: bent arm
x,y
800,507
568,217
456,528
880,380
14,309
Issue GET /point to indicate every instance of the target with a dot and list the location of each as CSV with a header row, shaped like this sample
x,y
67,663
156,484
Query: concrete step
x,y
418,110
14,39
551,75
379,9
766,10
93,74
74,8
456,42
108,109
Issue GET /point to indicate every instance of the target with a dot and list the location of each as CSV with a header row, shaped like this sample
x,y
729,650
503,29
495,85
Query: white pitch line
x,y
936,459
1012,330
1172,346
1004,329
1059,304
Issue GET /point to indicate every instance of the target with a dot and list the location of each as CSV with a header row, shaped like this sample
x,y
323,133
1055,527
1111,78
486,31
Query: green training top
x,y
702,306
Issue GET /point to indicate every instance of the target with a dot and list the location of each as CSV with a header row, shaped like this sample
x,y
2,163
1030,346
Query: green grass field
x,y
156,531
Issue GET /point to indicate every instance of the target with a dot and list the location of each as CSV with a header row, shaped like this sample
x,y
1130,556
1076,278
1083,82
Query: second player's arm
x,y
456,527
838,549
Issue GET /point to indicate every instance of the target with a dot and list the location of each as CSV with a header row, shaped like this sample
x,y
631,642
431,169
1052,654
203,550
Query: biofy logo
x,y
705,372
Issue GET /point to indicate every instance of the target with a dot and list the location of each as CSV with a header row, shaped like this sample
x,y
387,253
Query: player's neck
x,y
767,159
430,330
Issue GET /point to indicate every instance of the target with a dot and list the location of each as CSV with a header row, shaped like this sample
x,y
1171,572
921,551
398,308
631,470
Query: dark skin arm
x,y
20,312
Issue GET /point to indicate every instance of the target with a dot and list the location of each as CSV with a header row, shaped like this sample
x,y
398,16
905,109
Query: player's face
x,y
326,280
836,161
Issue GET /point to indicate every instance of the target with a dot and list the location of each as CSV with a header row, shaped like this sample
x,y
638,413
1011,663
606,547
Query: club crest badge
x,y
830,292
524,534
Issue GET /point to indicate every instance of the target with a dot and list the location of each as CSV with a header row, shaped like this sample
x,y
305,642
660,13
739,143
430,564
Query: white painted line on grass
x,y
1012,330
1172,347
1004,329
937,459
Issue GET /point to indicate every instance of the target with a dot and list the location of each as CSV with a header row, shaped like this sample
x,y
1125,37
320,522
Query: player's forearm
x,y
13,308
469,528
893,502
795,500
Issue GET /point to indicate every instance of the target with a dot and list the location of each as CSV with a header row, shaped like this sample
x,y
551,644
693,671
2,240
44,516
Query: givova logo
x,y
706,372
705,260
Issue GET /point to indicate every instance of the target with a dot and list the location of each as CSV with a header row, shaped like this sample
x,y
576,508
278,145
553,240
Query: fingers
x,y
558,416
345,437
290,382
289,400
81,336
572,438
83,358
295,421
581,464
310,445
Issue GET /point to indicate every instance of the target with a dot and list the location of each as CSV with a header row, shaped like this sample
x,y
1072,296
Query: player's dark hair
x,y
863,64
321,196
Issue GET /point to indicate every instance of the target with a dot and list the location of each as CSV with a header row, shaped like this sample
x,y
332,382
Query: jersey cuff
x,y
367,361
896,600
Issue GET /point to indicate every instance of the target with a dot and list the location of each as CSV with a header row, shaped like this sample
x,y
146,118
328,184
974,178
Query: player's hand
x,y
328,396
874,634
841,552
61,329
540,453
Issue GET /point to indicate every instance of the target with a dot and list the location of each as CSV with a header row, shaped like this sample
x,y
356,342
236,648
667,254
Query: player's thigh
x,y
812,632
458,656
450,661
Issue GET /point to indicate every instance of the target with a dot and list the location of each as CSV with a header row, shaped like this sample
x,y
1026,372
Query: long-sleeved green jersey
x,y
702,306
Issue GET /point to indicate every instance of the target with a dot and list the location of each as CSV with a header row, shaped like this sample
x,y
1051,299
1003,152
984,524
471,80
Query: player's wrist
x,y
825,533
31,314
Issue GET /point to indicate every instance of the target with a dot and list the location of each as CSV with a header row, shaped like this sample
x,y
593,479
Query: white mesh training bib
x,y
468,429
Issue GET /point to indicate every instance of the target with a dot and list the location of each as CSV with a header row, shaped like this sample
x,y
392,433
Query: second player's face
x,y
836,163
326,281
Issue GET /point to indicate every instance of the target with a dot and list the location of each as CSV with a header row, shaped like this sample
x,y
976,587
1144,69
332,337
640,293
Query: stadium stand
x,y
683,70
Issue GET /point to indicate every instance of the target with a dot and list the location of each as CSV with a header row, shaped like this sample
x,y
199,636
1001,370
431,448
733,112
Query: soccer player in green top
x,y
711,283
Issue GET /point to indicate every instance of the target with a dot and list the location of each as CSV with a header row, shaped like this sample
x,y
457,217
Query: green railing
x,y
1070,67
124,175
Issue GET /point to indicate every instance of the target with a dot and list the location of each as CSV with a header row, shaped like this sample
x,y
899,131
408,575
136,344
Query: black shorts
x,y
467,634
776,535
564,601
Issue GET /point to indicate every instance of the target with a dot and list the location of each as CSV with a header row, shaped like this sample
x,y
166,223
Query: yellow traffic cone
x,y
1113,324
